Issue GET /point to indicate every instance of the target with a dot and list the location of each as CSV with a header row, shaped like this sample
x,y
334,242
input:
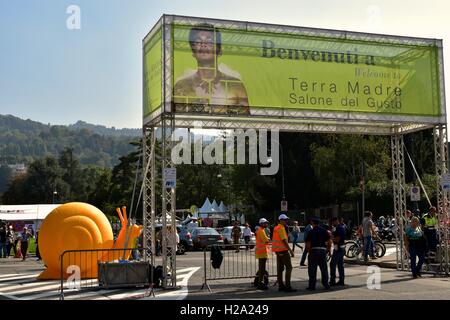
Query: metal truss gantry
x,y
399,195
166,216
161,152
159,202
442,197
441,162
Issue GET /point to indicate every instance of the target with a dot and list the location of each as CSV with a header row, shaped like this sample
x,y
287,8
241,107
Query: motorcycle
x,y
386,234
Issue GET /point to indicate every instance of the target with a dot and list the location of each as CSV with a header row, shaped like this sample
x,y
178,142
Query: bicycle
x,y
355,249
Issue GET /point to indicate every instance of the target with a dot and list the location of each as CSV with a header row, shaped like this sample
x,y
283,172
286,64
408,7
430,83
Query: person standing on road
x,y
262,251
3,244
308,228
368,229
318,244
38,253
416,246
430,223
284,253
25,241
10,238
295,235
337,260
236,233
247,235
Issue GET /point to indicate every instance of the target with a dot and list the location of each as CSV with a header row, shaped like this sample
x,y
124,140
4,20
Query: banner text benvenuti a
x,y
270,50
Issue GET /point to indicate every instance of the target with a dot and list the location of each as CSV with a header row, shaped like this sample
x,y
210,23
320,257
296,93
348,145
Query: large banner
x,y
240,72
153,74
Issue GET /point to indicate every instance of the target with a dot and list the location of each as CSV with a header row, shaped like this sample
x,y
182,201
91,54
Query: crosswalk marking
x,y
27,276
27,287
390,251
10,275
36,289
28,284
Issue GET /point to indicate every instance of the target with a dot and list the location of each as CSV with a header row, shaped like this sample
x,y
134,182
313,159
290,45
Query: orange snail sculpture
x,y
81,226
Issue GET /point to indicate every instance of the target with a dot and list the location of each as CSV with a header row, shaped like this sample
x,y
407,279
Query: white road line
x,y
36,289
31,289
8,296
390,251
11,275
21,285
18,277
41,295
178,294
88,294
124,295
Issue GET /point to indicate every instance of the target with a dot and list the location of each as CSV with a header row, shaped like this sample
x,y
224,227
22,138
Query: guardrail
x,y
79,269
240,264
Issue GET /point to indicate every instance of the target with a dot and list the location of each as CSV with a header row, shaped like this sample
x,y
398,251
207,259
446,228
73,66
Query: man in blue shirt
x,y
318,244
337,260
308,228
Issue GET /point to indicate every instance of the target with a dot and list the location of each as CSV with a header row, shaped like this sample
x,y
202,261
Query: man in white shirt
x,y
247,235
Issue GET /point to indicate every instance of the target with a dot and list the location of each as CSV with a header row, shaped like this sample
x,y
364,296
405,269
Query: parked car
x,y
205,236
186,243
228,239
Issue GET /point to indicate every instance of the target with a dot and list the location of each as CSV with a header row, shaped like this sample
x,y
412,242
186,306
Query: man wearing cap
x,y
262,251
284,253
430,224
318,244
337,260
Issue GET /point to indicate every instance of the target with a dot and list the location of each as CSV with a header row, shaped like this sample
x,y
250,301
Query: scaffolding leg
x,y
399,195
441,162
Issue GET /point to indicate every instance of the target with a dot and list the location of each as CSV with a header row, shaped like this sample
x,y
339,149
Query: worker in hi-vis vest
x,y
430,224
262,251
284,253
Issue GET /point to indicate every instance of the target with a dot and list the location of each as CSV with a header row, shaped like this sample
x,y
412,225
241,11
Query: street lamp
x,y
219,175
282,167
54,194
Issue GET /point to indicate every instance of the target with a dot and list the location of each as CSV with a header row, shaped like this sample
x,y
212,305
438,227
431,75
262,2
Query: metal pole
x,y
282,169
363,188
205,283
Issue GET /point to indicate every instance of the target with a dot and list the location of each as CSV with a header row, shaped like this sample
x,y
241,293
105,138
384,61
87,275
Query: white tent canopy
x,y
213,210
214,207
206,207
222,207
26,212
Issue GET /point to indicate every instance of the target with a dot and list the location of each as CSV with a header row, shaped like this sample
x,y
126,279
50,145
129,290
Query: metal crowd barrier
x,y
235,265
79,269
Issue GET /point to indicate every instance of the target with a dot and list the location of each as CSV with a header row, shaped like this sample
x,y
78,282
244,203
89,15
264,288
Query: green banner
x,y
153,74
236,71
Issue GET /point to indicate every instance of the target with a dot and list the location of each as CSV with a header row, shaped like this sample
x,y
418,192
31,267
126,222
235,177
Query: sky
x,y
52,74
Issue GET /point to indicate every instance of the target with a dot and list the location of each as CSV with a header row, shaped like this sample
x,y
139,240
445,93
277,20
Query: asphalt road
x,y
17,281
393,284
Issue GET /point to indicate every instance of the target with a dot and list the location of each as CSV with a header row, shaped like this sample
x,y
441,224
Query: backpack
x,y
157,276
265,278
216,257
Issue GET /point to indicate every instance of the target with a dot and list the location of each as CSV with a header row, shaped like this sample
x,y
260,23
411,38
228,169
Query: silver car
x,y
228,239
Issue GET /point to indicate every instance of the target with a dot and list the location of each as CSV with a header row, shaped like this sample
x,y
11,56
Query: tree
x,y
337,166
5,176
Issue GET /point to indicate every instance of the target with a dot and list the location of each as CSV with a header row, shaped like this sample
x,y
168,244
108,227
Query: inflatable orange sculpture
x,y
81,226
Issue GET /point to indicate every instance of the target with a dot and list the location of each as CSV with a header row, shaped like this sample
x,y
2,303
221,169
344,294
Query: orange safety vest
x,y
277,243
262,244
